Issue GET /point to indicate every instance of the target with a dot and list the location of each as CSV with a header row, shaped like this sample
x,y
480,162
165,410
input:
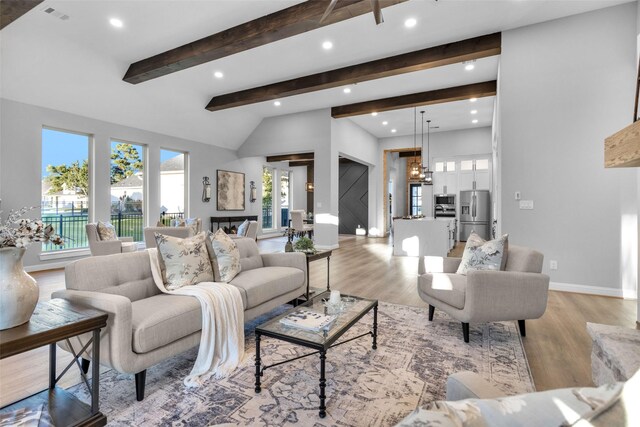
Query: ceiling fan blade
x,y
377,11
329,10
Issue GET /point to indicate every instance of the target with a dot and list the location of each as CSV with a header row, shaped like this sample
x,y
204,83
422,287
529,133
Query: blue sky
x,y
65,148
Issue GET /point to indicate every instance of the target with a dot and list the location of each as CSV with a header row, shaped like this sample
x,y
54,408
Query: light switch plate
x,y
526,204
319,204
517,195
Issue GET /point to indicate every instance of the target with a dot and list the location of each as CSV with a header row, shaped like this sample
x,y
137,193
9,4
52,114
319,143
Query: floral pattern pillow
x,y
107,231
242,228
184,262
480,254
227,255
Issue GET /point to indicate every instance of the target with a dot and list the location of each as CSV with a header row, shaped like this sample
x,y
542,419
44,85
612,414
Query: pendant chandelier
x,y
425,174
415,168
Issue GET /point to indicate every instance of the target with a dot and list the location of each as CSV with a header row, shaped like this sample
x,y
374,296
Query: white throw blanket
x,y
222,340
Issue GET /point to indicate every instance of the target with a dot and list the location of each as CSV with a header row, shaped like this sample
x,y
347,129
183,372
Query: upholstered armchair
x,y
518,293
108,247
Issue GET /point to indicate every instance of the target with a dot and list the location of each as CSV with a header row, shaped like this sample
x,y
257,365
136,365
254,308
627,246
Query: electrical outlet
x,y
526,204
517,196
553,264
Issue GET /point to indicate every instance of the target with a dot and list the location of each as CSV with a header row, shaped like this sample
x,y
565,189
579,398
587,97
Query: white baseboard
x,y
592,290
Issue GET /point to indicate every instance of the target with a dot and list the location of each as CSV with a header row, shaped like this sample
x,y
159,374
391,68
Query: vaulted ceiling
x,y
77,64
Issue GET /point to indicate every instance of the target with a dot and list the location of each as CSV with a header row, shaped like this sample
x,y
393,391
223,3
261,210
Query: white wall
x,y
298,189
565,85
20,167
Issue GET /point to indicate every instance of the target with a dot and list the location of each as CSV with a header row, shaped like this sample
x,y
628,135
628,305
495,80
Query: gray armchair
x,y
108,247
518,293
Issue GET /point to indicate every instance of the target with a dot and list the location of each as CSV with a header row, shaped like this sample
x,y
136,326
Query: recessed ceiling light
x,y
473,99
218,74
469,66
116,22
474,111
347,90
276,103
327,45
385,123
474,121
374,114
393,131
410,23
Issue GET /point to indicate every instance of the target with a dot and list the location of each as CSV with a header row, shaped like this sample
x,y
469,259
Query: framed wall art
x,y
230,194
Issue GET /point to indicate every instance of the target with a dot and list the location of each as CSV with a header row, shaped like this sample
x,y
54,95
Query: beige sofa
x,y
518,293
146,326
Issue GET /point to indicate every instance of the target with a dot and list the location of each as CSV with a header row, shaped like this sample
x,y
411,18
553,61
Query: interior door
x,y
353,198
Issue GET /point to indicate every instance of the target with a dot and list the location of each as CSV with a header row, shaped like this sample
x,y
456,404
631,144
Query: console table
x,y
54,321
229,219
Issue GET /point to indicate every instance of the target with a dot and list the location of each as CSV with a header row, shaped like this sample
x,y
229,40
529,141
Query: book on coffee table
x,y
308,320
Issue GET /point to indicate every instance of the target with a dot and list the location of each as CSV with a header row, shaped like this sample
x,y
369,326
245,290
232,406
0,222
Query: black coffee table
x,y
319,341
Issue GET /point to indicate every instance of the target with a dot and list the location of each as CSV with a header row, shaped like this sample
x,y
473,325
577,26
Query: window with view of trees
x,y
65,186
267,198
172,200
285,197
127,189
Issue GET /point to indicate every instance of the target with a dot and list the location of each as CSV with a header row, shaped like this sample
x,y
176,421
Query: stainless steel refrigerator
x,y
475,214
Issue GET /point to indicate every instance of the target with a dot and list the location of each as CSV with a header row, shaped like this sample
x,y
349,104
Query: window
x,y
451,166
65,186
439,167
482,164
127,189
415,199
267,198
466,165
285,197
172,183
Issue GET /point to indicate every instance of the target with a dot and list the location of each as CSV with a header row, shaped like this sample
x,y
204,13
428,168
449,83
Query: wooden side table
x,y
314,257
54,321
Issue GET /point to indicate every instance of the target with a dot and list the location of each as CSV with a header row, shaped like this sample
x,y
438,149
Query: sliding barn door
x,y
353,204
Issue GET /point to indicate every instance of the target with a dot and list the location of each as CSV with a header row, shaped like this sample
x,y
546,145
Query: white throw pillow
x,y
106,231
242,229
227,255
480,254
184,262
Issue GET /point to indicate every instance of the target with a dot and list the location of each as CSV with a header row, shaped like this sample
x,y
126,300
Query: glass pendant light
x,y
426,175
415,167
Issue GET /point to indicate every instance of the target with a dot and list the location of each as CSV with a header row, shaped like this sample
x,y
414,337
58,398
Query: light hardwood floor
x,y
557,345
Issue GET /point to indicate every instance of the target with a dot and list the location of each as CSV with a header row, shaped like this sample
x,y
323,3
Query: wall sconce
x,y
206,189
253,195
309,187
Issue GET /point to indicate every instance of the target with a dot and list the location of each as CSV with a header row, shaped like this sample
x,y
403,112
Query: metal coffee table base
x,y
323,356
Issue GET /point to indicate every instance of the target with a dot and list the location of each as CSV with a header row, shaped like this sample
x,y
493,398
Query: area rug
x,y
365,387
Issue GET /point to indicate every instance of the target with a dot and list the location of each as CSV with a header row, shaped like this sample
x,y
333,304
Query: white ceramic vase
x,y
19,291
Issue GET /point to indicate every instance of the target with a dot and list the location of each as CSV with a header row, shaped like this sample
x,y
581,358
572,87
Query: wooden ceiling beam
x,y
301,163
439,96
292,21
289,157
10,10
450,53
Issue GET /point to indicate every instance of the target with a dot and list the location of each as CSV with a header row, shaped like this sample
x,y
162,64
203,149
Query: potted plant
x,y
304,244
19,290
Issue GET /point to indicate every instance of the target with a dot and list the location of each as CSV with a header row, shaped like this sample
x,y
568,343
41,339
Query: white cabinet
x,y
475,170
445,177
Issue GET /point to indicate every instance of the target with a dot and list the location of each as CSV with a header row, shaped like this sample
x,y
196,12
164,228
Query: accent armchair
x,y
518,293
108,247
180,232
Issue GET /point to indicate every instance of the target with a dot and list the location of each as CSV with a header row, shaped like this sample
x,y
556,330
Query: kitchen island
x,y
423,236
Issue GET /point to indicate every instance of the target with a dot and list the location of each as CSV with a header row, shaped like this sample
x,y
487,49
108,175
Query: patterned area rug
x,y
365,387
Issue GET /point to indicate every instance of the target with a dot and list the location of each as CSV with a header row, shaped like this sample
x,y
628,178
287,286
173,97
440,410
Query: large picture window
x,y
127,189
172,185
65,186
267,198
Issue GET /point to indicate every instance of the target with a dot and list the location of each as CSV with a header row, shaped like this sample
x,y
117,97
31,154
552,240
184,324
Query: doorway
x,y
353,196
